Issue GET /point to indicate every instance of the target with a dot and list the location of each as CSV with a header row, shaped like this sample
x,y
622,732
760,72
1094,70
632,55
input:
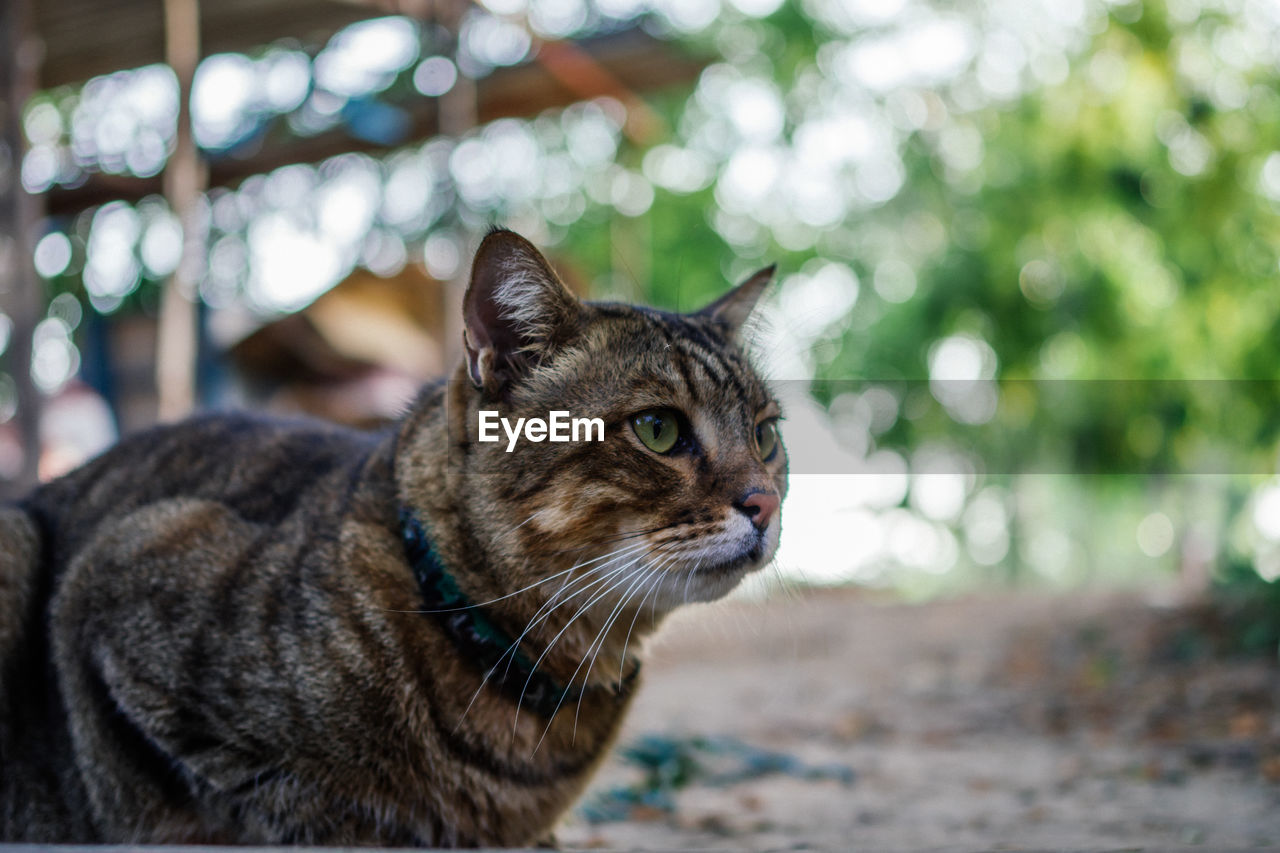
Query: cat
x,y
237,630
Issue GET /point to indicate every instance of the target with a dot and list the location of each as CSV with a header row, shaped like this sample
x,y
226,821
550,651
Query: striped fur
x,y
208,635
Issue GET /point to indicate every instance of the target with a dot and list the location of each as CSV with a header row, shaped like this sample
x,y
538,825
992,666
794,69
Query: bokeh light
x,y
872,147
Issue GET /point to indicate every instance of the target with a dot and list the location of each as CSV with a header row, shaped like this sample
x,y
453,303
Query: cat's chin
x,y
705,581
715,579
709,583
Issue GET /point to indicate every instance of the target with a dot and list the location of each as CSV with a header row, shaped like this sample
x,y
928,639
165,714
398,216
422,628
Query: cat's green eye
x,y
657,429
767,439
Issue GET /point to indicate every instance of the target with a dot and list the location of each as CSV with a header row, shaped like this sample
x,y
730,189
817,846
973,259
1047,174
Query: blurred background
x,y
1026,334
1028,320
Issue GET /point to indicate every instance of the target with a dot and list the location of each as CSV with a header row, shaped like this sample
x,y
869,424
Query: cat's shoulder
x,y
265,463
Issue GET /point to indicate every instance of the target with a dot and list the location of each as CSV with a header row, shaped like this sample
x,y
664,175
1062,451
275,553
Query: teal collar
x,y
477,637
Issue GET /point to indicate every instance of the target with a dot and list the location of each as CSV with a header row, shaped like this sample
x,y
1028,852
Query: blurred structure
x,y
356,355
153,359
89,38
19,288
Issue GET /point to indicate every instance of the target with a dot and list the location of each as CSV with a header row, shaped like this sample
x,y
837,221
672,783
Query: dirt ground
x,y
829,721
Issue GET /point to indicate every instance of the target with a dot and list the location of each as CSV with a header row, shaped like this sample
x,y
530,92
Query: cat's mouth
x,y
723,571
706,567
749,560
734,565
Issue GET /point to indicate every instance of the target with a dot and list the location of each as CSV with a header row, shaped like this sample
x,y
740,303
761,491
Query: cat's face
x,y
681,498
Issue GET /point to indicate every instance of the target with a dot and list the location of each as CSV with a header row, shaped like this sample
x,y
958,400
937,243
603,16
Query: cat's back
x,y
142,582
261,469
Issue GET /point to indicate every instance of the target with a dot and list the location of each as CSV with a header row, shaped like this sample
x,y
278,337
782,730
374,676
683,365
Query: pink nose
x,y
760,507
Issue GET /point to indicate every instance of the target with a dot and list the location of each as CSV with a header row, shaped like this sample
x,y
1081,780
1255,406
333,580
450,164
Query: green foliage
x,y
1112,235
1079,252
1103,233
670,764
1251,609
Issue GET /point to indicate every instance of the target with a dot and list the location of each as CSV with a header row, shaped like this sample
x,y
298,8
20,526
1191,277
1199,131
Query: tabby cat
x,y
238,630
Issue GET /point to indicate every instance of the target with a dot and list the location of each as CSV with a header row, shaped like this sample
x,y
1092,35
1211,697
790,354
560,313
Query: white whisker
x,y
639,609
536,583
539,617
557,637
526,521
599,642
599,638
511,650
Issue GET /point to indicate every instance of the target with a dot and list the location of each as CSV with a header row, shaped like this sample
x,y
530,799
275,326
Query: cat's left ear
x,y
515,312
736,306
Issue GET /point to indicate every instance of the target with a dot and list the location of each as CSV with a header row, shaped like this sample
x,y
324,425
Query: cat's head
x,y
682,497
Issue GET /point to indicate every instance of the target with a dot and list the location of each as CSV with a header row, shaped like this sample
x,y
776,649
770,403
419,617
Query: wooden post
x,y
459,113
177,334
20,291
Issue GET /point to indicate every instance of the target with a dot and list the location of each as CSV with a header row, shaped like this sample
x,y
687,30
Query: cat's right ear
x,y
734,308
515,312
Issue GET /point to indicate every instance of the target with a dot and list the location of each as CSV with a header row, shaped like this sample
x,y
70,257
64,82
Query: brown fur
x,y
208,634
